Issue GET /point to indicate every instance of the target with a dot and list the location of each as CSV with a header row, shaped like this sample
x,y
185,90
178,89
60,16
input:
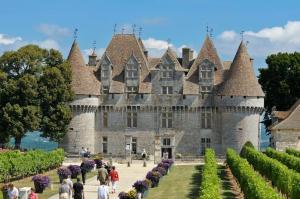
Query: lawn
x,y
183,182
26,182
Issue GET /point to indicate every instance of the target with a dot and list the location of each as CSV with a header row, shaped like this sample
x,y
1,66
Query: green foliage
x,y
34,92
293,152
252,184
290,161
210,184
281,80
15,164
286,180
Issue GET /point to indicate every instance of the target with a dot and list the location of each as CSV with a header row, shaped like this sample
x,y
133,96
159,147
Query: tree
x,y
280,81
35,90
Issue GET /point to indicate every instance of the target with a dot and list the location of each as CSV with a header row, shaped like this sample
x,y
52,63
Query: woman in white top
x,y
103,192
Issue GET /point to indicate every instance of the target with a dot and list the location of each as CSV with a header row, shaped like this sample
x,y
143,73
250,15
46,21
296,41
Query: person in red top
x,y
114,176
32,194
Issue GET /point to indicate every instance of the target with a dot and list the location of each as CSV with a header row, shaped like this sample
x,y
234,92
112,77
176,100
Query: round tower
x,y
240,100
86,86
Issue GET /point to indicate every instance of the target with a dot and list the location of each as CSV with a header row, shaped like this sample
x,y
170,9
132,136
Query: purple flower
x,y
64,172
140,186
88,165
75,170
160,170
154,177
123,195
164,165
41,181
169,161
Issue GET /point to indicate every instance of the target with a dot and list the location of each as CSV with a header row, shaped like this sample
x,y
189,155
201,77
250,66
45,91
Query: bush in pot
x,y
75,170
63,173
40,183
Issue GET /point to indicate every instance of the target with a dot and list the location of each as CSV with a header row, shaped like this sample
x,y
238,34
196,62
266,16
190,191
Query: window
x,y
132,71
167,90
206,119
104,145
206,89
132,119
166,120
105,89
166,72
132,89
206,72
166,142
205,143
105,119
134,145
104,74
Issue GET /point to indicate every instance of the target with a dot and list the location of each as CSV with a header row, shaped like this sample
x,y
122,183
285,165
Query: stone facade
x,y
159,110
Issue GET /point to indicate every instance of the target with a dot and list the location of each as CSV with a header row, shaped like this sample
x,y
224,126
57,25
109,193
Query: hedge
x,y
286,180
252,184
16,164
210,183
290,161
293,152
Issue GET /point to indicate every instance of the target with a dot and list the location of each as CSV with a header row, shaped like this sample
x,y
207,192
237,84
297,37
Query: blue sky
x,y
270,26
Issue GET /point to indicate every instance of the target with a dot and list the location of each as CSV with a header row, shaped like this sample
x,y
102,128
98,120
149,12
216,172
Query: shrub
x,y
154,177
15,164
210,184
141,186
40,182
286,180
75,170
293,152
160,170
63,172
88,165
252,184
290,161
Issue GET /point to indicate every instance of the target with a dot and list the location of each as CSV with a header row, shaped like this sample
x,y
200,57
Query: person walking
x,y
13,192
32,194
78,189
102,175
82,152
114,177
83,172
70,183
64,190
103,192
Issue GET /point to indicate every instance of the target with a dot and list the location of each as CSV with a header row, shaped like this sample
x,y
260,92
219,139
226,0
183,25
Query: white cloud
x,y
6,40
229,35
48,44
52,30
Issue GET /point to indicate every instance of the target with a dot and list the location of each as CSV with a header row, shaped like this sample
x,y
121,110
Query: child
x,y
103,191
114,177
32,194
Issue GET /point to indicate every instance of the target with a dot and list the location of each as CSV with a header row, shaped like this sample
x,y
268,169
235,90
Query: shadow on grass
x,y
226,184
194,191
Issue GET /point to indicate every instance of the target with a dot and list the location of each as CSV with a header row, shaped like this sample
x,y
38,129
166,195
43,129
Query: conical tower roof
x,y
84,80
209,52
241,79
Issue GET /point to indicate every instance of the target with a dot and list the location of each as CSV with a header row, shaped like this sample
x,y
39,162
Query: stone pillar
x,y
157,149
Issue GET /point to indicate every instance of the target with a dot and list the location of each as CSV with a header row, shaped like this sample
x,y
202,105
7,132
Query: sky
x,y
269,26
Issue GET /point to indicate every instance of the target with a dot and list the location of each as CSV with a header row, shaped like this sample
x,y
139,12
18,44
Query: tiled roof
x,y
241,79
281,115
84,79
172,55
119,50
291,120
153,62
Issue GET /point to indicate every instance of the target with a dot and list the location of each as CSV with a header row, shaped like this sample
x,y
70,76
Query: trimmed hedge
x,y
210,184
286,180
293,152
290,161
253,185
16,164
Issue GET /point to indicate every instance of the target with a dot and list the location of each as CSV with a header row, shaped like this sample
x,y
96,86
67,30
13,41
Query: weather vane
x,y
133,29
207,29
115,28
242,35
211,32
94,45
123,29
75,34
169,41
140,32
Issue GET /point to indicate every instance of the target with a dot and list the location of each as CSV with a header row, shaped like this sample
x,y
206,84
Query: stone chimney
x,y
187,56
146,54
92,59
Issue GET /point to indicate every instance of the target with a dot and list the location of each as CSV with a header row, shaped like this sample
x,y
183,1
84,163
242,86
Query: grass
x,y
183,182
48,192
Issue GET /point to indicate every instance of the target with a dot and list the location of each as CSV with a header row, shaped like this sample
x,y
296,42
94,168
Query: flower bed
x,y
152,180
16,165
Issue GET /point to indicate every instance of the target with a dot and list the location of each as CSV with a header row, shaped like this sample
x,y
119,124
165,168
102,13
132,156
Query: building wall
x,y
281,140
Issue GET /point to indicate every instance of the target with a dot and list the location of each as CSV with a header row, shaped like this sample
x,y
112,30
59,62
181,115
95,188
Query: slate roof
x,y
84,78
172,55
241,79
291,119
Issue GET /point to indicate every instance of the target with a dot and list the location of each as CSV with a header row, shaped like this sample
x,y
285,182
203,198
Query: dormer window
x,y
105,68
206,89
206,72
132,71
132,89
105,90
104,74
206,76
166,72
167,90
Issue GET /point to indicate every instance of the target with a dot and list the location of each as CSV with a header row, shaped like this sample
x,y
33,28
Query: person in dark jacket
x,y
78,189
83,172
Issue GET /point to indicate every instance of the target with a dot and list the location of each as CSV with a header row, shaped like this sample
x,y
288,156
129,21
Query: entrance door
x,y
166,153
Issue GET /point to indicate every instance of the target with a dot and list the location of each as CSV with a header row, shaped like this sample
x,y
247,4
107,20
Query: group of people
x,y
13,192
68,190
85,153
105,177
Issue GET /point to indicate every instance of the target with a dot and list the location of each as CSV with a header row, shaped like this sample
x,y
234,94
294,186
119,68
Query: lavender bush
x,y
63,172
75,170
89,165
154,177
160,170
141,186
169,161
40,182
166,166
